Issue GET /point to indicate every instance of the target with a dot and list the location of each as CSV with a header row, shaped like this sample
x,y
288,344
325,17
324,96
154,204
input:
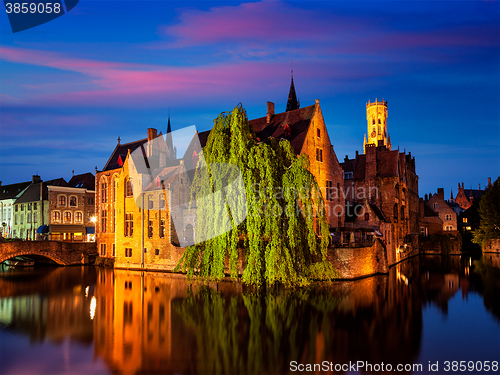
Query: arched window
x,y
395,213
73,201
67,216
61,200
128,188
379,120
56,216
402,212
104,190
396,191
78,217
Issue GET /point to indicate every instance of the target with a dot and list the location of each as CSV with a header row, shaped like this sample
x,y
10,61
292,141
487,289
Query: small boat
x,y
19,263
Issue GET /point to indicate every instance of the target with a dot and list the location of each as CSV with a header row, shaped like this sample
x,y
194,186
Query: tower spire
x,y
292,103
169,142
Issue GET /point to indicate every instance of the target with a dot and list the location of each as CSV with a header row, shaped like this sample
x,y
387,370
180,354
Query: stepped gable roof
x,y
85,180
378,211
12,190
122,149
298,121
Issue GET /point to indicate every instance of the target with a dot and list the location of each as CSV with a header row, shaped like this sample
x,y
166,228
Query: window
x,y
162,202
103,249
435,205
104,192
22,219
395,213
29,206
367,216
22,207
15,208
56,216
104,221
114,250
91,201
61,200
67,216
379,120
449,227
373,121
150,228
128,252
35,217
319,154
129,225
402,212
329,191
396,191
128,189
464,220
15,219
162,229
72,201
78,217
157,251
28,217
448,217
348,175
318,133
150,203
34,206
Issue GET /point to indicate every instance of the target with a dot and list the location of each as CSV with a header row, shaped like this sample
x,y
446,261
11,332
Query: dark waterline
x,y
83,320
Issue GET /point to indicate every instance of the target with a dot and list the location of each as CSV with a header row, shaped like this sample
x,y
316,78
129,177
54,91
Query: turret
x,y
376,117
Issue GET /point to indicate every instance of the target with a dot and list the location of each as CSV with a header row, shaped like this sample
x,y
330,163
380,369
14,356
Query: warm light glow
x,y
87,291
93,219
93,302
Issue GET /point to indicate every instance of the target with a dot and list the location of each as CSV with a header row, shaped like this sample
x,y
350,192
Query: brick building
x,y
387,180
445,212
466,197
134,226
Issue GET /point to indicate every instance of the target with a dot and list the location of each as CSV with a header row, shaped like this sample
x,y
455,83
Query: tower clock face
x,y
373,134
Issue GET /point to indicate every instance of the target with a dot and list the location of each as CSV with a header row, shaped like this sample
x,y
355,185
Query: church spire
x,y
170,144
292,103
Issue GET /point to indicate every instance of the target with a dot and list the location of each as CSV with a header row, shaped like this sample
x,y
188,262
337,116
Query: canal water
x,y
429,311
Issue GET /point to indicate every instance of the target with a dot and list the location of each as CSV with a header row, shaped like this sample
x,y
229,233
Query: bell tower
x,y
376,117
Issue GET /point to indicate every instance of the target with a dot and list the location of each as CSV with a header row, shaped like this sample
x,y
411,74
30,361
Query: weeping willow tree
x,y
285,235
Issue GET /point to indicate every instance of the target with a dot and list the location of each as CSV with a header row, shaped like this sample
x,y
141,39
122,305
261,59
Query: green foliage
x,y
104,262
284,207
252,333
489,211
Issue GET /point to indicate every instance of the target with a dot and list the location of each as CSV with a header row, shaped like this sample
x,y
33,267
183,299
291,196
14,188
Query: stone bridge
x,y
62,253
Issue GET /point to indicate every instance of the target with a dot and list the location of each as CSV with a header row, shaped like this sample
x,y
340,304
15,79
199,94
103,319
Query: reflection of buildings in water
x,y
51,317
134,324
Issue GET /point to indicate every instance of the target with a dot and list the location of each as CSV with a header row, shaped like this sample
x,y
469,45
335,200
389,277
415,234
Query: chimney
x,y
462,185
270,111
489,182
346,159
356,154
73,172
479,186
440,193
459,186
36,178
152,133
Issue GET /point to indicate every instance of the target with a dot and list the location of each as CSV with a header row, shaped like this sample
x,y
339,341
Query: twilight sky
x,y
111,69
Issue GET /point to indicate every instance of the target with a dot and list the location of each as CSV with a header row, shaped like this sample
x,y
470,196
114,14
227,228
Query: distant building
x,y
436,207
8,195
466,197
54,210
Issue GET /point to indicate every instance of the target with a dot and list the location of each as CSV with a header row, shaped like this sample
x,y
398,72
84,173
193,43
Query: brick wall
x,y
63,253
353,263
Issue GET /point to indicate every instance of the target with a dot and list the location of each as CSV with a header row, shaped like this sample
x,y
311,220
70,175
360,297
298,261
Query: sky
x,y
107,69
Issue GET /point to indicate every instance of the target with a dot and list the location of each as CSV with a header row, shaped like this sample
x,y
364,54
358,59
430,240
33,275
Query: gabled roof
x,y
298,121
121,149
32,193
11,191
85,180
476,194
429,212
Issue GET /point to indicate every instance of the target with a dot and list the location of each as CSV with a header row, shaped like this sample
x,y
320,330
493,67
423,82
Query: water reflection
x,y
157,323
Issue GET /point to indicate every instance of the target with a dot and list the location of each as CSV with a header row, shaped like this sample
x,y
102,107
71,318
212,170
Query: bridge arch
x,y
53,257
